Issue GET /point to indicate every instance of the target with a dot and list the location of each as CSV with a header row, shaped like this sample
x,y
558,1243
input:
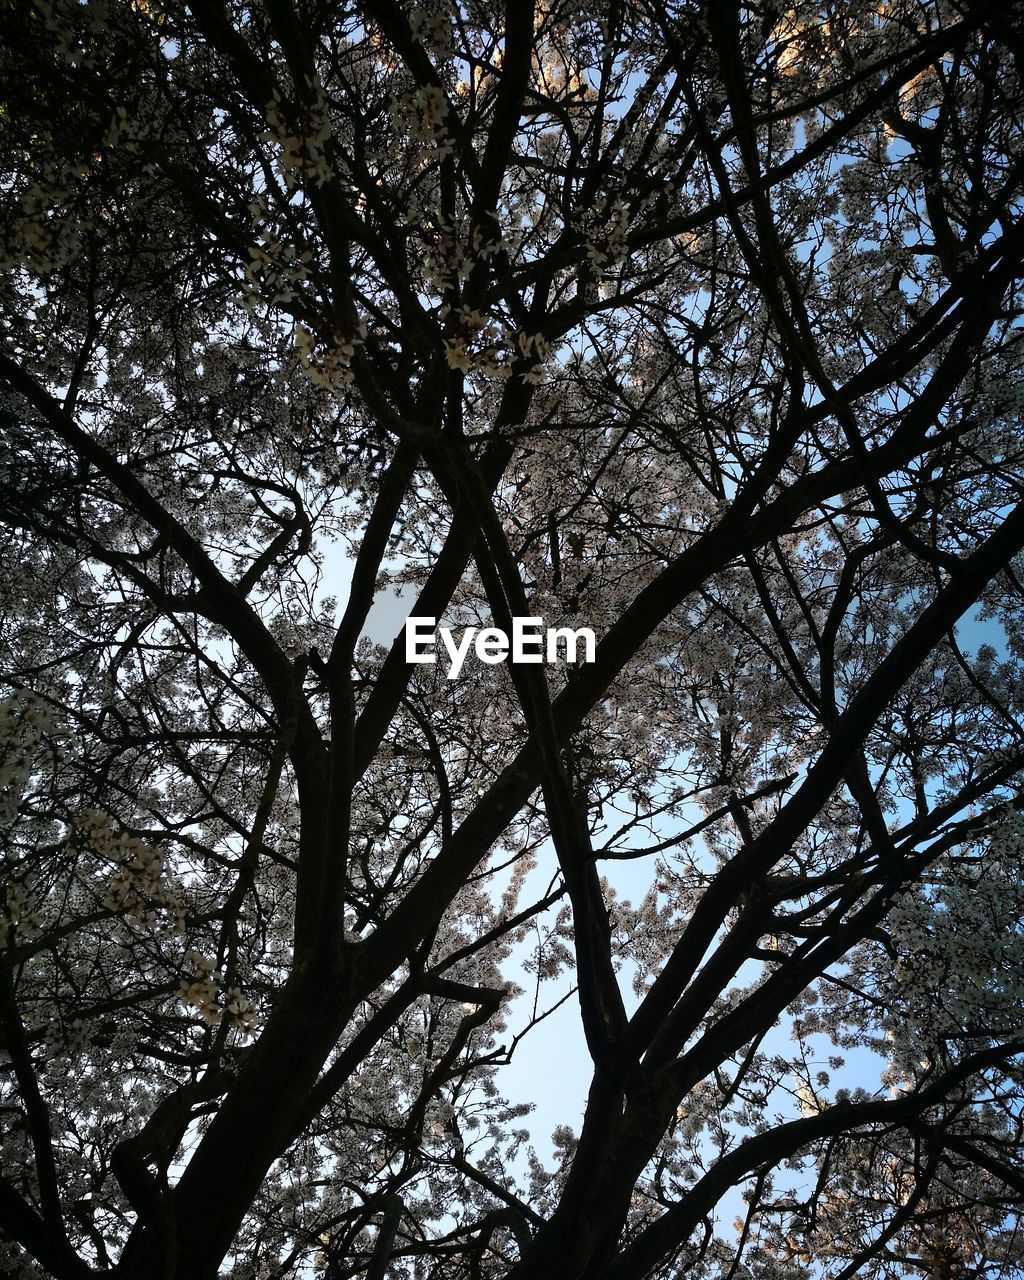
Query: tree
x,y
699,326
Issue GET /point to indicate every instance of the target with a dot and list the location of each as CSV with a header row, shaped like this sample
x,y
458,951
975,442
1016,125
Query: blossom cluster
x,y
328,363
126,131
65,1039
302,136
23,721
610,245
276,269
476,343
139,886
473,342
49,231
445,257
216,1004
536,350
961,949
450,253
433,30
19,916
423,114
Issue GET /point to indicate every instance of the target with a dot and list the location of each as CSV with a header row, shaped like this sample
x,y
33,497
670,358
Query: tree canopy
x,y
694,324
